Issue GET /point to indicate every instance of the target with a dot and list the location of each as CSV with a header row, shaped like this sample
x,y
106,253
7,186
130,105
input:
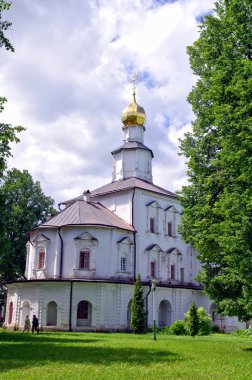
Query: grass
x,y
123,356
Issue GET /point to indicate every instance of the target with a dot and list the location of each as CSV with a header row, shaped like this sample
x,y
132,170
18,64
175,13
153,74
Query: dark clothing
x,y
35,324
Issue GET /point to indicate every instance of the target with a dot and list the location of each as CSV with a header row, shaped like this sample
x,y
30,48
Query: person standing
x,y
27,324
35,324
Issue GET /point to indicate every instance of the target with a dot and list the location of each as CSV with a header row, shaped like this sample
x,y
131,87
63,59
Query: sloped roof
x,y
85,213
132,145
126,184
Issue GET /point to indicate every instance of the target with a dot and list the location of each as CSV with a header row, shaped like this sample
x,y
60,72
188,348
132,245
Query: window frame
x,y
84,259
41,259
153,268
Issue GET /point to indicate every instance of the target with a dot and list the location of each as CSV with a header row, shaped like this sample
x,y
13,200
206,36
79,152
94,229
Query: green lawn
x,y
123,356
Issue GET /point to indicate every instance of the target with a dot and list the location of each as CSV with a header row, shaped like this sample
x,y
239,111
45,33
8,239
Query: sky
x,y
69,80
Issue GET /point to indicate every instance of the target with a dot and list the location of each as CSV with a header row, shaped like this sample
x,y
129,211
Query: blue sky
x,y
68,81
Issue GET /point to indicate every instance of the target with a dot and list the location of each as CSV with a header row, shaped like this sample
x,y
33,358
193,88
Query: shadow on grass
x,y
43,338
26,351
248,349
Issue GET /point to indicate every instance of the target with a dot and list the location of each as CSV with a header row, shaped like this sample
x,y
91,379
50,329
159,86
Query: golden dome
x,y
134,114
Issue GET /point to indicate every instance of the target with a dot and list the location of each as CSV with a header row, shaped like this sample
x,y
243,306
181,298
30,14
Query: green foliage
x,y
4,25
205,327
7,132
215,329
138,314
192,320
217,203
23,205
178,328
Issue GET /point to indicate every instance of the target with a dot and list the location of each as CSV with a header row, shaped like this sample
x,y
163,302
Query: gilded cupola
x,y
133,114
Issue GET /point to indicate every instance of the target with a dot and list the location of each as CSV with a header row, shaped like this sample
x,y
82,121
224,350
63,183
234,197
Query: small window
x,y
153,269
169,228
173,272
123,264
152,225
84,260
41,260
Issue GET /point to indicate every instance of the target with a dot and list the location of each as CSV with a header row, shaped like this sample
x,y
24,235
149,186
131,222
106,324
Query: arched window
x,y
84,311
51,314
25,311
10,313
164,314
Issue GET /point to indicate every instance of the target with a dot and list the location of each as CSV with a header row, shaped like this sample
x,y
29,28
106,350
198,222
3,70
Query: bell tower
x,y
133,158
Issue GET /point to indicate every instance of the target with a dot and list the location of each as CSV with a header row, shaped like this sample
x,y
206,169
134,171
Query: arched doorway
x,y
25,311
84,313
164,313
51,319
10,313
129,313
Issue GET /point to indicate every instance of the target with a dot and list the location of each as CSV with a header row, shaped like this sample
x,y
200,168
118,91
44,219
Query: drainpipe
x,y
70,307
134,235
146,306
61,253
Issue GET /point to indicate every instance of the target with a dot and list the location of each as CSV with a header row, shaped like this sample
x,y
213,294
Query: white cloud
x,y
67,82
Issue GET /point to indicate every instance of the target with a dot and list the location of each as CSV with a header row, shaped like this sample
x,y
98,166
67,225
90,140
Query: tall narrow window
x,y
169,228
153,269
10,312
123,264
182,274
84,260
152,225
173,272
41,259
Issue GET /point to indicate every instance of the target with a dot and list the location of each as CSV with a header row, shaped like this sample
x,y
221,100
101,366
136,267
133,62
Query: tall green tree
x,y
192,320
217,203
23,207
8,134
138,322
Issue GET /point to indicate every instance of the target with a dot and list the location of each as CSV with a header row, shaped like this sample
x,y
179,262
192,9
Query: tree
x,y
7,132
137,322
23,206
192,320
4,25
217,203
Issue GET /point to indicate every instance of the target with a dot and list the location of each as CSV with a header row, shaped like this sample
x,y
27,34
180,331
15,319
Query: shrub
x,y
215,329
178,328
138,322
204,322
248,331
192,320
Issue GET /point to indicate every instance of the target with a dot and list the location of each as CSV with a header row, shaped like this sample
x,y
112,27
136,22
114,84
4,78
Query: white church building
x,y
81,264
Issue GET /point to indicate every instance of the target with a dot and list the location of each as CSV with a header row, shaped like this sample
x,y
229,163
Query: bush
x,y
178,328
215,329
204,322
192,320
248,331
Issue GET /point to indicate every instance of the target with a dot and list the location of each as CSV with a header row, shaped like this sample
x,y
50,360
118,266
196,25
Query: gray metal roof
x,y
132,145
84,213
126,184
131,183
